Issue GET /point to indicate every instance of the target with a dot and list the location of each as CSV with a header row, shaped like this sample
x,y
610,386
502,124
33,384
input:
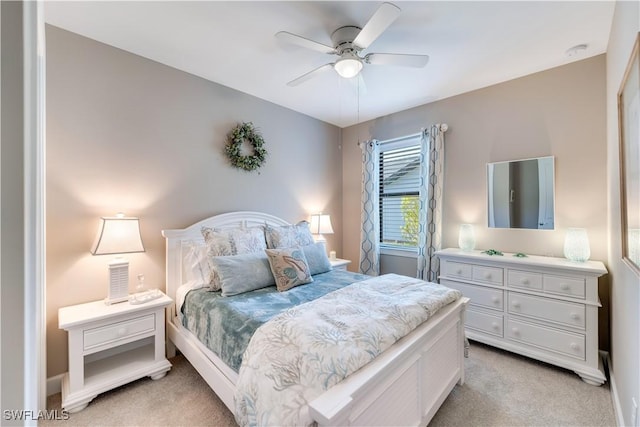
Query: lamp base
x,y
118,281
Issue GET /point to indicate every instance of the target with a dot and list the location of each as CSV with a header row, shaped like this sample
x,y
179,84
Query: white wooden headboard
x,y
178,240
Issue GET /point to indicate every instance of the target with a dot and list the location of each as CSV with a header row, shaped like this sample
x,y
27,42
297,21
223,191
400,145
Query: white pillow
x,y
195,266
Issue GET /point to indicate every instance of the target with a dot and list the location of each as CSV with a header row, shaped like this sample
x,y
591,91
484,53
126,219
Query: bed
x,y
404,385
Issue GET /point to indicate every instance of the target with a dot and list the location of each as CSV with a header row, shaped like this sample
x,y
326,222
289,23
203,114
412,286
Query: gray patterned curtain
x,y
430,207
370,232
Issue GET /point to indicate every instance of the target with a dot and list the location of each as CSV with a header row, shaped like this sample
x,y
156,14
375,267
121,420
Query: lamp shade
x,y
118,235
466,237
321,224
576,245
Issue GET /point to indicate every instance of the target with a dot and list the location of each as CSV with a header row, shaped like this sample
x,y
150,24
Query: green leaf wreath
x,y
238,135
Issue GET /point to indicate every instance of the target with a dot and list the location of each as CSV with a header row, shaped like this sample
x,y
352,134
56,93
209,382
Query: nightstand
x,y
339,264
111,345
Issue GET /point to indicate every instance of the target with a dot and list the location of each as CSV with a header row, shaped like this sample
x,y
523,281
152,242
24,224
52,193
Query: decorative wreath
x,y
238,135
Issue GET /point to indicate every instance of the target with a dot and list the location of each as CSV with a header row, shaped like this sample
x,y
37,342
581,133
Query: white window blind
x,y
399,192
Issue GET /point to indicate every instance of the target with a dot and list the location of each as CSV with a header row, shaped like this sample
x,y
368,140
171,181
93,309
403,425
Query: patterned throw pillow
x,y
287,236
289,267
229,242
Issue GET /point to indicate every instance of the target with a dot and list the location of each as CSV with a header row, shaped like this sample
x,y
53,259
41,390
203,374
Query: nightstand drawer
x,y
118,331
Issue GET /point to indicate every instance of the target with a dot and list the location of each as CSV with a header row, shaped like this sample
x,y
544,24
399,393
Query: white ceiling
x,y
471,44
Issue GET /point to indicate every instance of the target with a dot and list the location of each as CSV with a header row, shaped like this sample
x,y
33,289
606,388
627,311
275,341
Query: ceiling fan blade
x,y
381,19
304,42
303,78
405,60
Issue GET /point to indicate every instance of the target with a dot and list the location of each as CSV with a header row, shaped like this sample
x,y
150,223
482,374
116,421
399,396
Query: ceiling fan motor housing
x,y
343,38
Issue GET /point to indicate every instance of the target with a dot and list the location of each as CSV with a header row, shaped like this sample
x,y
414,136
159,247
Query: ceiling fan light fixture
x,y
348,67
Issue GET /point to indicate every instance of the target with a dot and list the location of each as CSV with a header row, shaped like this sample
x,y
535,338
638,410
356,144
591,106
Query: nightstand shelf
x,y
111,345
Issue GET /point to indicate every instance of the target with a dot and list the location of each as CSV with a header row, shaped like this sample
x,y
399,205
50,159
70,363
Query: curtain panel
x,y
430,202
370,210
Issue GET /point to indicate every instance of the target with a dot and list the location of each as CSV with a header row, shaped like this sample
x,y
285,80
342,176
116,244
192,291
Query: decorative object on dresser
x,y
576,245
320,224
118,235
111,345
541,307
466,237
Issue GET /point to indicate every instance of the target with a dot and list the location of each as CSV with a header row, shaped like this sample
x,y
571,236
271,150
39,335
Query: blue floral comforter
x,y
307,349
225,324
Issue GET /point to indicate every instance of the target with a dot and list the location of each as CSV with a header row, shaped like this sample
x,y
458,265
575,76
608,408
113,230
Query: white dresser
x,y
541,307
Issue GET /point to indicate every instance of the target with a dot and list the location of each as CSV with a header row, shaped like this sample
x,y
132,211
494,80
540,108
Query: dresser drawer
x,y
457,269
547,338
564,286
484,322
119,331
492,275
524,279
561,312
479,295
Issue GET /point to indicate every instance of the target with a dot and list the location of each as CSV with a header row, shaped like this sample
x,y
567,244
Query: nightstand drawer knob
x,y
496,300
459,271
524,282
487,275
515,331
122,332
574,346
575,316
515,304
495,326
565,287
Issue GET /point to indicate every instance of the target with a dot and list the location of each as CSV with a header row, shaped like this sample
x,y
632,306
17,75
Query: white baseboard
x,y
54,384
617,408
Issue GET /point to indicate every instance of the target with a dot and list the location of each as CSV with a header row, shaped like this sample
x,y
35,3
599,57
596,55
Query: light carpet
x,y
501,389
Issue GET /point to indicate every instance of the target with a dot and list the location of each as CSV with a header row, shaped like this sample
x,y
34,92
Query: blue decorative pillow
x,y
289,267
242,273
317,258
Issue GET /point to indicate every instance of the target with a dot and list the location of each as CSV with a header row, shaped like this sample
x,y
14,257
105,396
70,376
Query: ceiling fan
x,y
348,43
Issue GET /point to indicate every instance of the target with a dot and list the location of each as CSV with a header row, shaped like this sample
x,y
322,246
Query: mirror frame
x,y
553,189
629,135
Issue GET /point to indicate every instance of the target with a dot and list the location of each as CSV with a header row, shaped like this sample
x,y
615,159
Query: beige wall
x,y
128,134
625,285
560,112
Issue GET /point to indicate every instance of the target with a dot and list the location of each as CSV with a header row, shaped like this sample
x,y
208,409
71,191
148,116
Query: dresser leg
x,y
590,380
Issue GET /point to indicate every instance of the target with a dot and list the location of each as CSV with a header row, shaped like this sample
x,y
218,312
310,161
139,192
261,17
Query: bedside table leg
x,y
158,376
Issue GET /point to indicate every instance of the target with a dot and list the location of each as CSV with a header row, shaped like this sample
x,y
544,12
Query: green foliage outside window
x,y
409,206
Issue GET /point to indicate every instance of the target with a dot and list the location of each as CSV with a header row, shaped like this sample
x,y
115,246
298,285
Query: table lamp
x,y
320,224
118,235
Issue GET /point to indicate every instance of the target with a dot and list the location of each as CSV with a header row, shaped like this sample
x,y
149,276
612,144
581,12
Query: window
x,y
399,192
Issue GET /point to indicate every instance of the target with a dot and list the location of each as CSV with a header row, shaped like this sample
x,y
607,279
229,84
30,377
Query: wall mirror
x,y
521,193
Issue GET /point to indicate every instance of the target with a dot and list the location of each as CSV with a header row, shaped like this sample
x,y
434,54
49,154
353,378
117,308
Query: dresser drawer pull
x,y
496,300
515,331
574,346
487,275
459,271
495,326
575,316
524,282
515,304
565,287
122,332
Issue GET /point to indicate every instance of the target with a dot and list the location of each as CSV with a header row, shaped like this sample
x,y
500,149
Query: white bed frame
x,y
405,385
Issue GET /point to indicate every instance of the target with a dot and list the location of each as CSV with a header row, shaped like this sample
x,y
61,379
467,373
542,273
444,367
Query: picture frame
x,y
629,146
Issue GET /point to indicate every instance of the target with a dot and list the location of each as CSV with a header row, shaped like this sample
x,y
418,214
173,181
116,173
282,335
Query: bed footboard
x,y
404,386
